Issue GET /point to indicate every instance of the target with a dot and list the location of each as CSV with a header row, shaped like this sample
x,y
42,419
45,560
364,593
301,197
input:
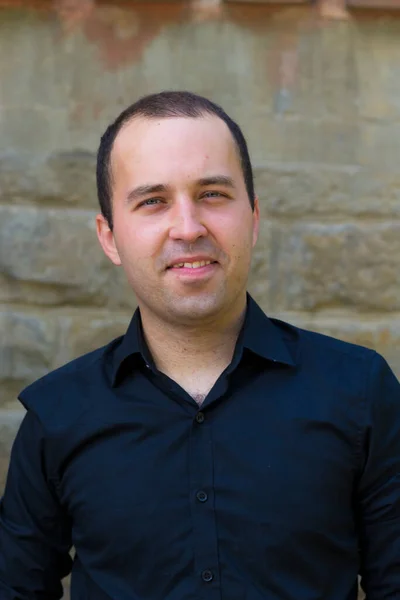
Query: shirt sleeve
x,y
379,486
35,533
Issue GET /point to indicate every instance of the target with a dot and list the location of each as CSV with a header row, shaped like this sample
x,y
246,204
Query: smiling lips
x,y
192,265
194,270
199,261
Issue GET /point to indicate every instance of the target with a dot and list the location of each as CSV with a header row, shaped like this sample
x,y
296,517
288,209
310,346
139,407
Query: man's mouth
x,y
192,265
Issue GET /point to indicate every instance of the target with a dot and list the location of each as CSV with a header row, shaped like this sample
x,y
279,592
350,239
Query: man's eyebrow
x,y
145,190
160,188
216,180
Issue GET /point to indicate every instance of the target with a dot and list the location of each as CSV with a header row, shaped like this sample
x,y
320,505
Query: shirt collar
x,y
259,335
262,336
131,345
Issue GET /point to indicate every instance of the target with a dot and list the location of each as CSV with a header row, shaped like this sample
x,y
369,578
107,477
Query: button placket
x,y
205,541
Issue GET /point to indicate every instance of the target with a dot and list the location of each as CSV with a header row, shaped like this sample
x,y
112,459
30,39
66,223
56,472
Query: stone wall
x,y
319,103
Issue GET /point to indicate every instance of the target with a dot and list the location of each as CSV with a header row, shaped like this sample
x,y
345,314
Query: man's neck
x,y
183,349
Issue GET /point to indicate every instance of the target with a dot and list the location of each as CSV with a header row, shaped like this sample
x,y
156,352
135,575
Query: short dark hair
x,y
165,104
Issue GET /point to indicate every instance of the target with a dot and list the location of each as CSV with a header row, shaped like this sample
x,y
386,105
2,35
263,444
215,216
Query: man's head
x,y
175,186
163,106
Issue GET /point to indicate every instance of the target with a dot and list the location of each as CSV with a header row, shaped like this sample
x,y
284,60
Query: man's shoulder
x,y
70,385
307,342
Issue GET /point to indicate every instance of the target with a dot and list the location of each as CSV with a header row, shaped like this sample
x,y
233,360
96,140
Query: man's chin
x,y
195,308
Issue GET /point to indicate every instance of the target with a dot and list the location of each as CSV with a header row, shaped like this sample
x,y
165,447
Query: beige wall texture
x,y
319,102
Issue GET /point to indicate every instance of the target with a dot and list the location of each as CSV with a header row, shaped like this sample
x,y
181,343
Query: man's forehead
x,y
142,133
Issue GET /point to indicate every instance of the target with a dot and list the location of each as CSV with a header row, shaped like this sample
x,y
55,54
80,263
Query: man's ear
x,y
256,220
106,239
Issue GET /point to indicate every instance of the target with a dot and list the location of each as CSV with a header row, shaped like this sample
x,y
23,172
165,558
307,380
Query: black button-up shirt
x,y
284,485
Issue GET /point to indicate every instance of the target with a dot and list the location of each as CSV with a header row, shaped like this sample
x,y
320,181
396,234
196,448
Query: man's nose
x,y
187,224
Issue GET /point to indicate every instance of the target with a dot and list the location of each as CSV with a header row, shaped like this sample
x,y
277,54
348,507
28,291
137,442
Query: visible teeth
x,y
197,264
193,265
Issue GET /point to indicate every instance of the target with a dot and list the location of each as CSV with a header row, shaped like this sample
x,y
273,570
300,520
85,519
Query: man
x,y
211,452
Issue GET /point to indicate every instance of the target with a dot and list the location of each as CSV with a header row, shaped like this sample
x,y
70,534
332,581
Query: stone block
x,y
269,1
307,141
377,4
34,343
258,284
27,348
84,333
33,130
65,178
295,190
9,424
378,96
52,256
285,63
348,265
379,145
318,58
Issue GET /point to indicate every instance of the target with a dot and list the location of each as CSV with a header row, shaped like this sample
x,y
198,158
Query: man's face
x,y
179,201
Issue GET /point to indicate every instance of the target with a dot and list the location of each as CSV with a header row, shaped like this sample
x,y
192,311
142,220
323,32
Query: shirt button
x,y
201,496
200,417
207,576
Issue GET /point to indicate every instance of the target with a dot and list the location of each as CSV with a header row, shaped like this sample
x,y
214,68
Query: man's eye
x,y
212,194
150,202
